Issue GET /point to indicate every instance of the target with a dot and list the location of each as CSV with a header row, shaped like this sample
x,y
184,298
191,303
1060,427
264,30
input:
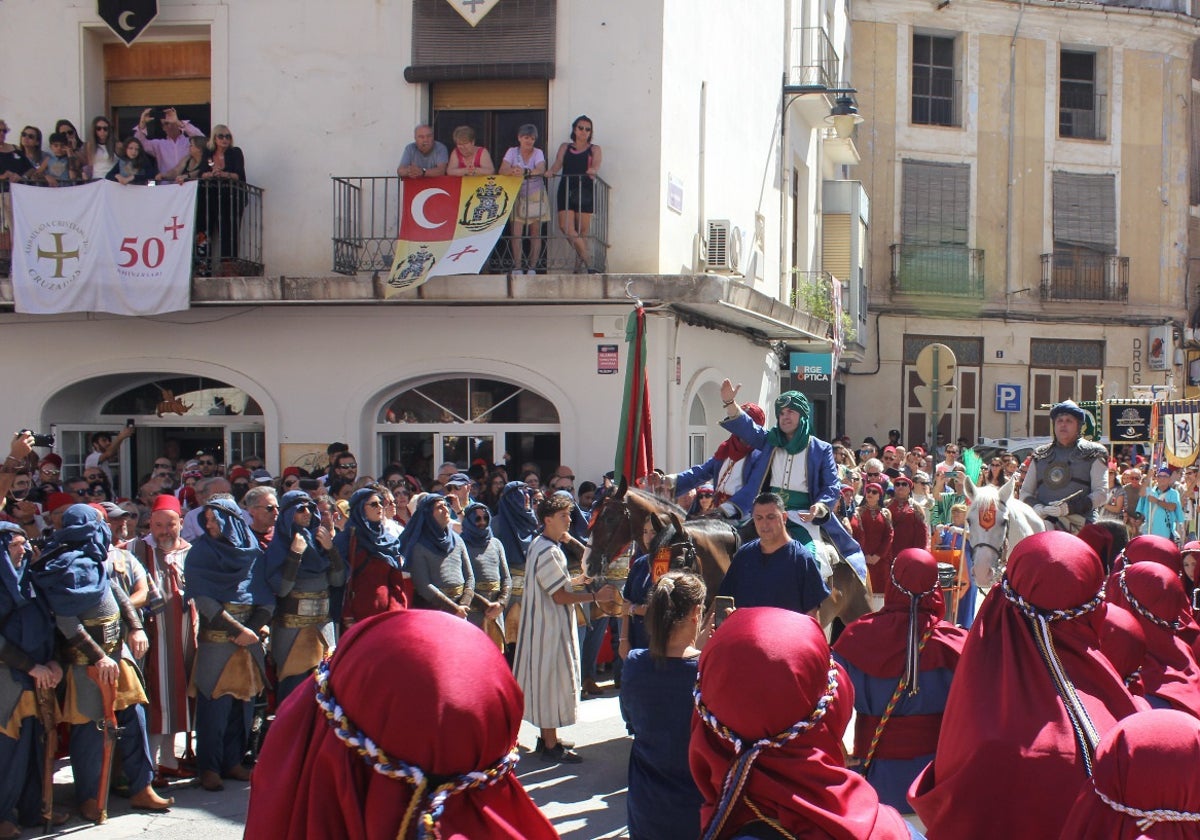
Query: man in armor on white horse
x,y
1067,480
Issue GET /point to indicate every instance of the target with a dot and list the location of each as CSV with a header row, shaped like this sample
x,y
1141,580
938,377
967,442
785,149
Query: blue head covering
x,y
228,568
28,624
423,529
369,536
475,537
515,524
72,574
14,588
315,560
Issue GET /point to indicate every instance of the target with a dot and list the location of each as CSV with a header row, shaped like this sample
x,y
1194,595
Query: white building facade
x,y
687,103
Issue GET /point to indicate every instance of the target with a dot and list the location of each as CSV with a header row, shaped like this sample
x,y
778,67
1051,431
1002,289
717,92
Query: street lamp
x,y
843,117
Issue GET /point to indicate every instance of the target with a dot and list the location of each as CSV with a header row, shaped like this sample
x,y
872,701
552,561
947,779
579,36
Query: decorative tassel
x,y
912,656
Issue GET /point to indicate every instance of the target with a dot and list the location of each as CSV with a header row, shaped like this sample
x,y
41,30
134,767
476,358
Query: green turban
x,y
799,439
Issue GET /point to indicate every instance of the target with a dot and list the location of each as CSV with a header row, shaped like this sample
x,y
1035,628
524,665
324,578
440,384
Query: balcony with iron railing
x,y
1083,274
366,223
227,238
815,61
1080,112
952,270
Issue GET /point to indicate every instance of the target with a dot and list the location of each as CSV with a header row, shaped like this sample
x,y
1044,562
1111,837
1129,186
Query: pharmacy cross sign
x,y
127,18
473,11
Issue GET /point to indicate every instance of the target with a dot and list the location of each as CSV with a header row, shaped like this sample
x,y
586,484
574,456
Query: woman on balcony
x,y
99,155
29,155
467,158
579,162
226,172
533,205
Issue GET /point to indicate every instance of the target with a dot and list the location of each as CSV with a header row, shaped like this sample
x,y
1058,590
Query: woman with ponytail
x,y
656,702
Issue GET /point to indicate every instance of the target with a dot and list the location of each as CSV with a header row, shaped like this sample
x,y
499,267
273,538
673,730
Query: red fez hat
x,y
166,501
56,500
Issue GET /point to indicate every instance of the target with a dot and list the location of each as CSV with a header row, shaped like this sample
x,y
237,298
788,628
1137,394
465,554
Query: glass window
x,y
469,400
934,88
190,396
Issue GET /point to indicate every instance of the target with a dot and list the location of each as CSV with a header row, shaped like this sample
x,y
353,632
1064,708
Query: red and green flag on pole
x,y
635,449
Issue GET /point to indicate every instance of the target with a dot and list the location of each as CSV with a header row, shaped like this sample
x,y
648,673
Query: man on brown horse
x,y
798,466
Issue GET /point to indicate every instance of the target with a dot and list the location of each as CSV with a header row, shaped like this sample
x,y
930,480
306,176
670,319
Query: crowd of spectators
x,y
317,553
161,149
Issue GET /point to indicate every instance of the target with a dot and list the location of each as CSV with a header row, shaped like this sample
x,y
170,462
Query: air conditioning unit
x,y
723,246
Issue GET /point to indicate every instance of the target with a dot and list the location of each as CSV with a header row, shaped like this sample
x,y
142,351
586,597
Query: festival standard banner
x,y
1129,422
1181,423
449,226
102,247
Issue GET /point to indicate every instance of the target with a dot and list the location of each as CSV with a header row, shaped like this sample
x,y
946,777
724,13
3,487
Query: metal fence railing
x,y
366,224
814,59
1082,274
228,234
937,270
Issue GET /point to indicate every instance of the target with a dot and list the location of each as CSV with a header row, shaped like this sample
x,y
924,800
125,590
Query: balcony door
x,y
156,74
495,108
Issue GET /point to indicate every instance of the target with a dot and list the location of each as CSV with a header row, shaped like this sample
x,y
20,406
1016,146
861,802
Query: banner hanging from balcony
x,y
102,247
449,226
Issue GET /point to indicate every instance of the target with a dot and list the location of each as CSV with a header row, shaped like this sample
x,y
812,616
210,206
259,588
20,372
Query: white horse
x,y
997,520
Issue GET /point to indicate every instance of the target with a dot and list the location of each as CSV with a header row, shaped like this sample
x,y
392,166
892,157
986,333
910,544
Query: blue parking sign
x,y
1008,398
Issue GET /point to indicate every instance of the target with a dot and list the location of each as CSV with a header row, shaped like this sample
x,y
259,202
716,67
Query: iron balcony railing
x,y
1083,274
366,223
1080,112
814,59
227,239
954,270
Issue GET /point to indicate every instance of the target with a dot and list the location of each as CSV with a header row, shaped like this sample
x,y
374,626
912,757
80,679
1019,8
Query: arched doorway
x,y
176,415
468,420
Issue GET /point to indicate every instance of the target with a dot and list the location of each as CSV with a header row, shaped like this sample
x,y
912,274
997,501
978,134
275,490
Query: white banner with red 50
x,y
103,247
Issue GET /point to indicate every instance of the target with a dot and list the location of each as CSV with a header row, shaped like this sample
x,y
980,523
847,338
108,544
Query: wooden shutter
x,y
935,203
1085,211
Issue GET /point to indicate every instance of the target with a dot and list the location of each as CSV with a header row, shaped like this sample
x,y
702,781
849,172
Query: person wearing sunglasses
x,y
377,581
301,566
437,558
489,566
226,579
225,172
99,153
871,525
261,507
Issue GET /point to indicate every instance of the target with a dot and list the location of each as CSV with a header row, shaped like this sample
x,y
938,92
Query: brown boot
x,y
211,780
9,830
591,689
238,772
90,810
147,800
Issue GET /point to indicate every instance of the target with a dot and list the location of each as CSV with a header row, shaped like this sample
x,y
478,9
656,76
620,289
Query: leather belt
x,y
303,609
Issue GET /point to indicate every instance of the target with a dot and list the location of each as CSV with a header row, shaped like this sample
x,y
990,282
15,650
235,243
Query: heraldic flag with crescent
x,y
449,225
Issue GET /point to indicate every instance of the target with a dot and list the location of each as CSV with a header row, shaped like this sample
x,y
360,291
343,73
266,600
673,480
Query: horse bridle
x,y
1002,524
688,551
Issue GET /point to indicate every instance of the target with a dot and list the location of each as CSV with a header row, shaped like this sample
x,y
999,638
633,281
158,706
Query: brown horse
x,y
621,516
702,546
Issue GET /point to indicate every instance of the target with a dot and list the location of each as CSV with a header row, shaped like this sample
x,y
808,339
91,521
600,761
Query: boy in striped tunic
x,y
547,659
